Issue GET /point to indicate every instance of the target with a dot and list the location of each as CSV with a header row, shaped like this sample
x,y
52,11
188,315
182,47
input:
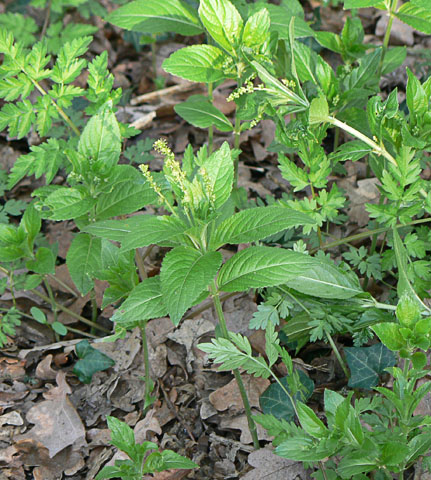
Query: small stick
x,y
157,94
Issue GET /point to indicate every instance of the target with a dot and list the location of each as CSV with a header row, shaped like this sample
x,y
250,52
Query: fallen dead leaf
x,y
57,423
269,466
239,422
44,371
188,334
229,397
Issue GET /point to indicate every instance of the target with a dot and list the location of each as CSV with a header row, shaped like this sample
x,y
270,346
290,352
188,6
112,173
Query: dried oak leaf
x,y
57,423
269,466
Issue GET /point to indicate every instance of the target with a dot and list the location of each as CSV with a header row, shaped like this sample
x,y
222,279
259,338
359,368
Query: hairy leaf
x,y
83,261
198,111
184,275
258,267
144,303
257,223
197,63
157,16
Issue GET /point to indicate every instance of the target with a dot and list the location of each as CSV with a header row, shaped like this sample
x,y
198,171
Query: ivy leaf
x,y
257,223
258,267
184,275
274,400
198,111
197,63
83,261
157,16
367,363
144,302
223,22
90,361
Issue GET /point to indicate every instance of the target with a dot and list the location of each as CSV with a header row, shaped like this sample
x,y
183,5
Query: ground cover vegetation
x,y
181,234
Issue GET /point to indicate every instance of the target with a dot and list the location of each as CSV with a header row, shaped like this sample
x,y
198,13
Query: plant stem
x,y
337,354
53,304
319,232
61,112
393,6
236,139
222,322
368,233
140,263
71,312
211,127
379,150
154,55
148,381
64,285
46,21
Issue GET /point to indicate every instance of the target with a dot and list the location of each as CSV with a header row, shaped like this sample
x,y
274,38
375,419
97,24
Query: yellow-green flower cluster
x,y
288,83
248,87
147,174
209,188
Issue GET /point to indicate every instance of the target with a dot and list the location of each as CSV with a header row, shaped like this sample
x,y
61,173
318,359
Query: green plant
x,y
141,461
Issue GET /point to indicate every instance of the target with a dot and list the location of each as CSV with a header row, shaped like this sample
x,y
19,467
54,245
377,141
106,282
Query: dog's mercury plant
x,y
196,202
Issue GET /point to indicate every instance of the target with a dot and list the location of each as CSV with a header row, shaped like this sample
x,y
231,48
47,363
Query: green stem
x,y
211,127
71,312
61,112
140,263
236,139
53,304
387,36
154,55
337,354
319,232
93,311
378,149
147,378
64,285
222,322
368,233
46,21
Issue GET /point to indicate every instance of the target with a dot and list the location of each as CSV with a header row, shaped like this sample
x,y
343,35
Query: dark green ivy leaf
x,y
274,400
366,363
90,361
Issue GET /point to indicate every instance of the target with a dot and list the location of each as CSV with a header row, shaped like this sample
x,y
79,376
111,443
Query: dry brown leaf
x,y
11,418
168,475
229,397
44,370
239,422
57,423
11,368
268,466
188,334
